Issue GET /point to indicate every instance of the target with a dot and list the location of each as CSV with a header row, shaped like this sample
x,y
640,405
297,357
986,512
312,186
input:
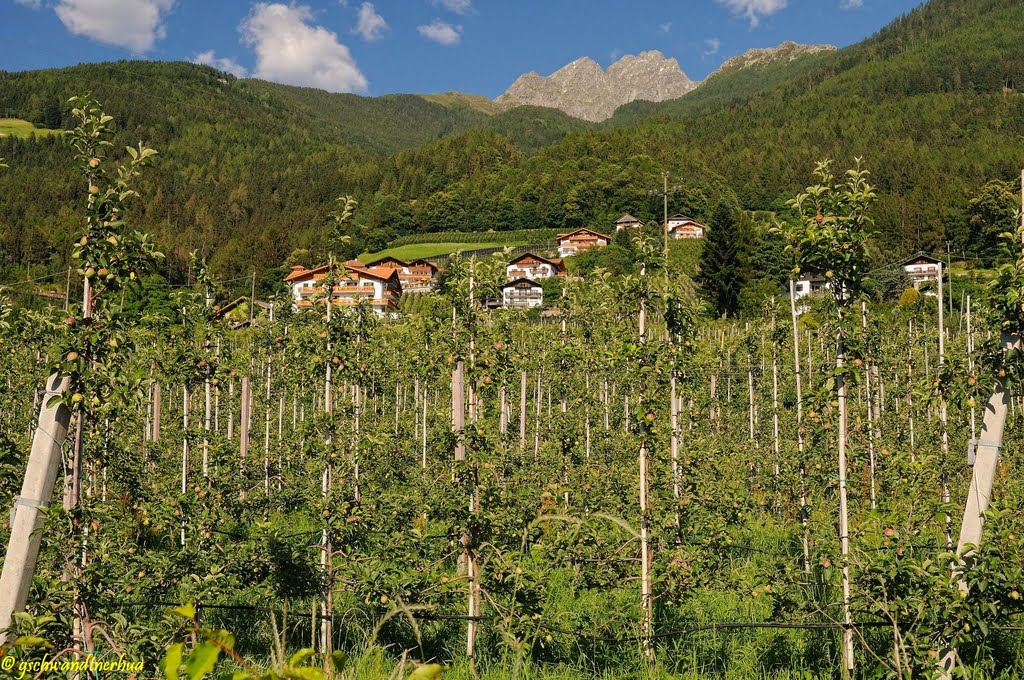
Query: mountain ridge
x,y
762,56
584,90
247,174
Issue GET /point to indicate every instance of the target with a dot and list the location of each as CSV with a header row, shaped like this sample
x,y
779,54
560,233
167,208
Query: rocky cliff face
x,y
584,90
787,51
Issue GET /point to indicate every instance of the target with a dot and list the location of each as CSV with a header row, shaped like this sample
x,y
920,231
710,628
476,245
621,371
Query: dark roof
x,y
555,262
626,218
576,231
222,310
421,261
921,255
521,280
387,258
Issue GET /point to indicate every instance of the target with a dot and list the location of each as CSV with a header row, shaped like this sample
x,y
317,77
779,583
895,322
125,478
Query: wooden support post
x,y
459,410
522,411
157,398
424,452
502,410
243,444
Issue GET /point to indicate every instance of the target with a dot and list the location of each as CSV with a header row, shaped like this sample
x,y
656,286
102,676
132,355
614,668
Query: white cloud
x,y
665,27
132,24
209,58
290,50
851,4
441,32
370,24
457,6
31,4
755,9
711,46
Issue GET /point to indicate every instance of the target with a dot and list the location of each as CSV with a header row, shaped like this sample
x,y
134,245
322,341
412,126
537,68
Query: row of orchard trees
x,y
472,485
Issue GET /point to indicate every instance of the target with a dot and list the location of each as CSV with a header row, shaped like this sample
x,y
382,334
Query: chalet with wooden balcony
x,y
683,227
381,289
581,240
522,293
534,267
417,276
922,269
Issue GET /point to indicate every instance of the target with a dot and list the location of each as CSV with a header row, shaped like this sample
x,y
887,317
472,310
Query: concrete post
x,y
36,491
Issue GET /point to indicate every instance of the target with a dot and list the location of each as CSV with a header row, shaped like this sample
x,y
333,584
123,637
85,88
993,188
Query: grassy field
x,y
516,236
418,250
15,127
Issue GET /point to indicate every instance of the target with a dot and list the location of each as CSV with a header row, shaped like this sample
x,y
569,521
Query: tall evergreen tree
x,y
724,262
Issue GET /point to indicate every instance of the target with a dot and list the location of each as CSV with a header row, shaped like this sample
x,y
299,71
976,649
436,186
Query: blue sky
x,y
385,46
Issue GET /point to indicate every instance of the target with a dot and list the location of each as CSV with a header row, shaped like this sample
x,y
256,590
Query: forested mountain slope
x,y
246,168
249,170
923,103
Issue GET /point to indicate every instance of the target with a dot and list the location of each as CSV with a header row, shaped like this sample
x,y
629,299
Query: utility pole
x,y
949,272
664,225
67,291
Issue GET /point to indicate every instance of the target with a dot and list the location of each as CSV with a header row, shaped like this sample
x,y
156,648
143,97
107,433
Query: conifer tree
x,y
724,262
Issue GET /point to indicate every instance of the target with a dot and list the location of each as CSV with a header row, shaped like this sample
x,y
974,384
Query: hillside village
x,y
381,283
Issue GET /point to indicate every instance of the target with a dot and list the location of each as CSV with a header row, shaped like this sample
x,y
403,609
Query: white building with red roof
x,y
379,288
580,240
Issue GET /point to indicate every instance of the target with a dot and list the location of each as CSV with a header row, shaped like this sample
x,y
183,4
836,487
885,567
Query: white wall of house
x,y
541,270
919,273
513,297
570,248
354,290
807,287
298,287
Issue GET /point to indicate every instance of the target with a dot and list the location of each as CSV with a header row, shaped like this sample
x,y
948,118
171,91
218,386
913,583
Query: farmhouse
x,y
627,221
582,239
416,276
922,268
241,311
809,286
534,267
380,289
683,227
522,294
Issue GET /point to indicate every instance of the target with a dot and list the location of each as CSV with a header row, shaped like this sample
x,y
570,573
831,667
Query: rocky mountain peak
x,y
584,90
